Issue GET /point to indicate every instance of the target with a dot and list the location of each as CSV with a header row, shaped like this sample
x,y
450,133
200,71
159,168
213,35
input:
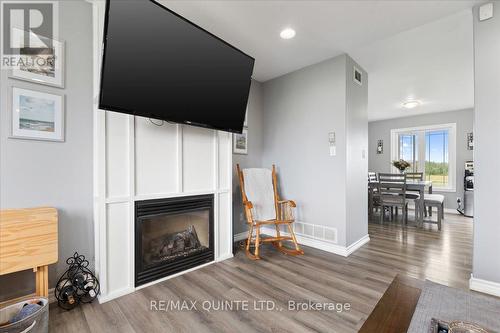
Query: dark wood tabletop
x,y
394,310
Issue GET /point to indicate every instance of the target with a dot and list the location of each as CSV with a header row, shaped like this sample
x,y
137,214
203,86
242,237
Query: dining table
x,y
413,185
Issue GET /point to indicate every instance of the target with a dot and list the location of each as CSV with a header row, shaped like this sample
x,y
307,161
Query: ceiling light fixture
x,y
411,104
287,33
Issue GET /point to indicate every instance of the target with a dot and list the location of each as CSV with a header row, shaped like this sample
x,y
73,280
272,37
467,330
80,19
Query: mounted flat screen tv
x,y
159,65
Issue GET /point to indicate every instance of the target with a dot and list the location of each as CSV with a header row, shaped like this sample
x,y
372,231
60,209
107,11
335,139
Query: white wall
x,y
59,174
486,262
300,109
145,161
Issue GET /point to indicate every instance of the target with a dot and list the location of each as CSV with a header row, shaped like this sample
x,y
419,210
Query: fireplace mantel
x,y
137,160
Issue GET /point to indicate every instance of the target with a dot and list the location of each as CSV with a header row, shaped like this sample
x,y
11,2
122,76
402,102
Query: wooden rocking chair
x,y
263,206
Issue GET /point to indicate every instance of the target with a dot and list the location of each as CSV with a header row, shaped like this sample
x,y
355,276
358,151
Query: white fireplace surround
x,y
137,160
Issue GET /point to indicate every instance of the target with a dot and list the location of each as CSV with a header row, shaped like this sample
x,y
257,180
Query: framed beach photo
x,y
44,67
37,115
240,142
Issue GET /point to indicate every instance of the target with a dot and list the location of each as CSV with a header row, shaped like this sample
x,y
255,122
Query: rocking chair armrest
x,y
290,202
248,204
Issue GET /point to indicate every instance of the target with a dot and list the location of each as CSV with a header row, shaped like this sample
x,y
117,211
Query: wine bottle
x,y
67,294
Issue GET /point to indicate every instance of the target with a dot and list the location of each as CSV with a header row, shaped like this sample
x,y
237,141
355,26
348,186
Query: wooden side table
x,y
28,240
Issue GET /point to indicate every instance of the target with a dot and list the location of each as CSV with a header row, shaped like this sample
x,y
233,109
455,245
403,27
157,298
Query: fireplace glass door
x,y
172,235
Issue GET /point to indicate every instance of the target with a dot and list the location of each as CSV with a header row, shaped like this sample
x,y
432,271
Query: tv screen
x,y
159,65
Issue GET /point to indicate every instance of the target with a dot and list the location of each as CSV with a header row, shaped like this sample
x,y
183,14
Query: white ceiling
x,y
432,63
328,28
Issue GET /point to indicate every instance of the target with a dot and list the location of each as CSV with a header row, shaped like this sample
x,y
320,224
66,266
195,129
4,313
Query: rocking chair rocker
x,y
263,206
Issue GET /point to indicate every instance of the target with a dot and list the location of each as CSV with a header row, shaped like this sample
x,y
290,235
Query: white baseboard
x,y
357,244
484,286
224,257
115,294
122,292
322,244
451,211
240,236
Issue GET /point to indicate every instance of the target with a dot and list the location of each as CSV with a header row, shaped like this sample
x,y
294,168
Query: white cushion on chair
x,y
260,192
435,198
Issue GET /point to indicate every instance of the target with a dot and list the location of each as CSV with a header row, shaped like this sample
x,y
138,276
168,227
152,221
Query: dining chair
x,y
373,202
413,195
415,175
372,177
392,193
428,208
435,200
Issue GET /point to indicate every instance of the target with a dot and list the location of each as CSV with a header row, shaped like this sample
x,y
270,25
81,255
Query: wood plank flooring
x,y
360,280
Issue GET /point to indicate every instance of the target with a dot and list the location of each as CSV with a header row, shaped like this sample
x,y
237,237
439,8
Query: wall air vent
x,y
357,76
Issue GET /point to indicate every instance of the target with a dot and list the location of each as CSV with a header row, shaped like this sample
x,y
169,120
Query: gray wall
x,y
254,157
36,173
486,263
357,155
300,109
382,130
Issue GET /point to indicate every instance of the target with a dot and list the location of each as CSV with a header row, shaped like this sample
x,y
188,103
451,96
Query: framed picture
x,y
45,67
380,147
37,115
240,142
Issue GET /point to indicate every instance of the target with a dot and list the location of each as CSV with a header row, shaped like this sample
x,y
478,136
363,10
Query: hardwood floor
x,y
360,280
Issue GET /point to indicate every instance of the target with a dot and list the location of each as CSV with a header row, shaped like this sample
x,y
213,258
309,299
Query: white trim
x,y
114,294
99,153
357,244
452,150
451,211
241,236
320,244
224,257
126,291
484,286
173,276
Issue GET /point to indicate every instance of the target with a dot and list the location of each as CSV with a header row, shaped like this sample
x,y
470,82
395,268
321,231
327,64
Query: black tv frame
x,y
132,112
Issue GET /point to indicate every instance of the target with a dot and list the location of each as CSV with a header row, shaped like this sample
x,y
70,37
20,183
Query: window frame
x,y
419,132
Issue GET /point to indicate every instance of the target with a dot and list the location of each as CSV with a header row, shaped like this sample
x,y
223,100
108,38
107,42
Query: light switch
x,y
333,151
331,141
363,154
331,137
486,11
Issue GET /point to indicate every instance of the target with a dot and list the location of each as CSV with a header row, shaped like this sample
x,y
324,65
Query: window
x,y
428,149
436,157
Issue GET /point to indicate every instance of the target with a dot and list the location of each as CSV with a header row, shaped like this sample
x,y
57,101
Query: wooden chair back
x,y
415,176
248,209
392,188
